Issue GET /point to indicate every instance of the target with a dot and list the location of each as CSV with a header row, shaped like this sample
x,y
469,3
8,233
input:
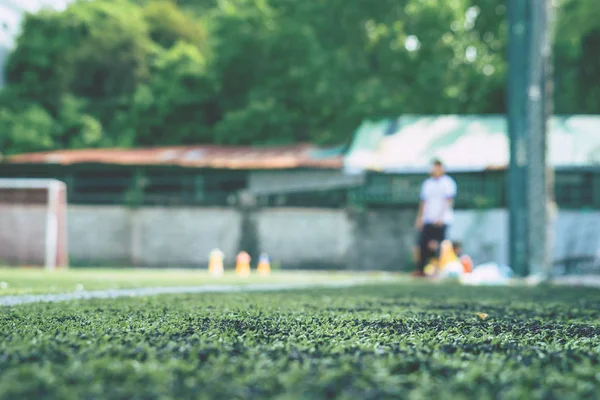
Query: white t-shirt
x,y
435,194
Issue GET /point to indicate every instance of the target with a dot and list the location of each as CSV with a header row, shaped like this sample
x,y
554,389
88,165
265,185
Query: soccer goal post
x,y
33,223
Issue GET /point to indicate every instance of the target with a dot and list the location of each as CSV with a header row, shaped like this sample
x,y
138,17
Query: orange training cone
x,y
215,263
242,266
264,265
467,263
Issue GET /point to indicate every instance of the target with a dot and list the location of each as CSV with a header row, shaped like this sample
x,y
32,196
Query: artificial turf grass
x,y
38,281
380,341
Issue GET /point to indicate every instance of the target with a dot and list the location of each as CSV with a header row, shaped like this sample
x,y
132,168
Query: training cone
x,y
467,264
264,265
215,263
242,265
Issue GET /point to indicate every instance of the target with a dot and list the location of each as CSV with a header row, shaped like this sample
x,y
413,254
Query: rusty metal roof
x,y
281,157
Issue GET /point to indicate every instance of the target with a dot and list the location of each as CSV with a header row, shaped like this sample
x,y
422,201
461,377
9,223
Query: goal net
x,y
33,216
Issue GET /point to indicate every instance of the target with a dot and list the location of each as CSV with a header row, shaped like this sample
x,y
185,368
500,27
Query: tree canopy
x,y
162,72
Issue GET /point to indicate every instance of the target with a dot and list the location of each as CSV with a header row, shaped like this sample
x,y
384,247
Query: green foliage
x,y
374,342
155,72
577,60
173,107
74,128
26,130
168,24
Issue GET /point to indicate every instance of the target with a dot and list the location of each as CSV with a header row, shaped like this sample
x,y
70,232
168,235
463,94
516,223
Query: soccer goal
x,y
33,223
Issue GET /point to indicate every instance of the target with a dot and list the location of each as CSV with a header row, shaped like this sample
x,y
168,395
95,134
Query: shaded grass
x,y
406,340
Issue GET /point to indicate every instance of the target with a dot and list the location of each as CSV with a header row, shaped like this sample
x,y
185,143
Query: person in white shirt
x,y
435,212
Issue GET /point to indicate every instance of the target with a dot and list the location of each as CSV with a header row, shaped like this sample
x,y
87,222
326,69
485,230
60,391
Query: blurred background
x,y
303,129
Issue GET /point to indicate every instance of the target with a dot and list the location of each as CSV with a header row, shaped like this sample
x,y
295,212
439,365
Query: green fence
x,y
101,184
476,190
178,186
574,189
137,185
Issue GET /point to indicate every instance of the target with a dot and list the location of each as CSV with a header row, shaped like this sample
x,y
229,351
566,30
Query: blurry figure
x,y
465,260
416,250
435,213
449,264
432,267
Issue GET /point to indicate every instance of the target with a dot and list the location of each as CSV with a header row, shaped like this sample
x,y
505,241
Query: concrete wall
x,y
384,238
381,239
484,234
296,237
184,236
150,236
99,235
305,237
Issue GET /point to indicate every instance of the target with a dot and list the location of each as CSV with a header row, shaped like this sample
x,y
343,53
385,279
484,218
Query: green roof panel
x,y
465,143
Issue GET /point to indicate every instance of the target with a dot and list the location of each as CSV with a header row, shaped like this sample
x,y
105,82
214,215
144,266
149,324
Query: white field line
x,y
14,300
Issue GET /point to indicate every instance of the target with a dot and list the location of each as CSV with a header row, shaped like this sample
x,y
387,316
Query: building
x,y
194,175
395,155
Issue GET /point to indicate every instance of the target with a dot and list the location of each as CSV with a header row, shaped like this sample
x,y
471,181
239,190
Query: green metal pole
x,y
529,101
517,107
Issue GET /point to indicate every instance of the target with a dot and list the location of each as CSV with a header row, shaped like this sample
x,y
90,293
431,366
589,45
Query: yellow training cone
x,y
447,254
215,263
242,265
264,265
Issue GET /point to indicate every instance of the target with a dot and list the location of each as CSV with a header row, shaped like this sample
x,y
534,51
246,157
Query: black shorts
x,y
428,233
433,232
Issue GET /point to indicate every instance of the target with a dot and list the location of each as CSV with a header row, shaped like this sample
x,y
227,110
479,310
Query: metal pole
x,y
529,97
517,107
551,212
536,175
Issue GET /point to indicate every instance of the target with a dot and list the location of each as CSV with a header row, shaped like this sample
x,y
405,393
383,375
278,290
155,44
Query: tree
x,y
30,129
169,24
173,107
577,37
152,72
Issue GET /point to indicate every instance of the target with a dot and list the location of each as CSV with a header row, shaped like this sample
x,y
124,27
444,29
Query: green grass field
x,y
38,281
404,339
